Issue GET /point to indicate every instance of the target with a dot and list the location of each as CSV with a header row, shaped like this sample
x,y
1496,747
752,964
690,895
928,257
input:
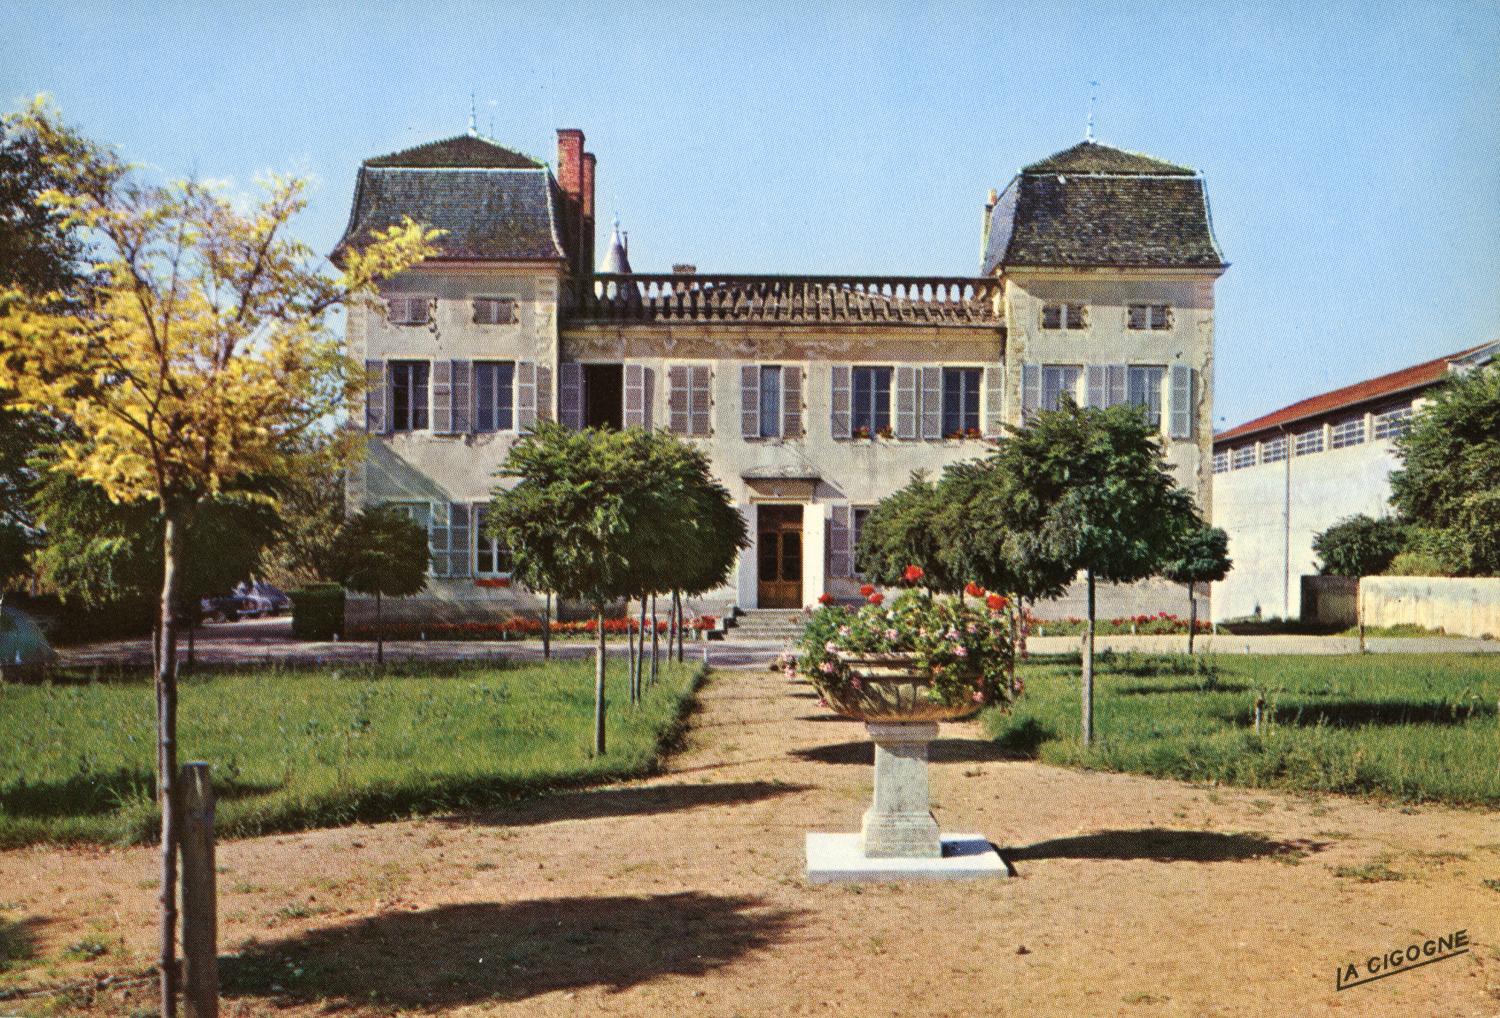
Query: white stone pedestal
x,y
899,838
899,824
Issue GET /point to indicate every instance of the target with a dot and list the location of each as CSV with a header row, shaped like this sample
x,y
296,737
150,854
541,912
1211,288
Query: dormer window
x,y
1150,316
494,311
1064,316
408,310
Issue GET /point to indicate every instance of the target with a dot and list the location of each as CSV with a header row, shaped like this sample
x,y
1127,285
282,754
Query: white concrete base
x,y
840,858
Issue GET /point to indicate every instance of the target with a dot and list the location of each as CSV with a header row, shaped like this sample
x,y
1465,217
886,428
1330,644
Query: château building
x,y
814,395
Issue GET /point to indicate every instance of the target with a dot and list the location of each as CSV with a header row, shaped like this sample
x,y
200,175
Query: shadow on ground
x,y
18,940
455,955
1359,713
103,792
635,800
862,753
1161,844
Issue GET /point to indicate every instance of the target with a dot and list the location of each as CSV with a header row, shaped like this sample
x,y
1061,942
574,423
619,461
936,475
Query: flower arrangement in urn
x,y
919,657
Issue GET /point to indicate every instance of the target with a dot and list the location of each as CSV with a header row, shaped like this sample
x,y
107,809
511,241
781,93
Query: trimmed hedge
x,y
318,612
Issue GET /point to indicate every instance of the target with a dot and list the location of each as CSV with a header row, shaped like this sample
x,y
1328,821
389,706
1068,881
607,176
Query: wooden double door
x,y
779,553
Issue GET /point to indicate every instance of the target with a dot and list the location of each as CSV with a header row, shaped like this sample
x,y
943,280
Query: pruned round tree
x,y
382,552
1199,554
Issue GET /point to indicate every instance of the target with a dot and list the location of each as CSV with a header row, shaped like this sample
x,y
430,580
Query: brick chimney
x,y
570,179
586,249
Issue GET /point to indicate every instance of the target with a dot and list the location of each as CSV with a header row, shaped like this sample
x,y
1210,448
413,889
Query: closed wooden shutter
x,y
750,401
525,395
1096,386
839,415
375,402
570,395
906,401
635,396
840,549
1182,401
437,538
994,400
932,403
678,418
458,539
702,401
544,392
1117,393
463,397
442,397
791,401
1031,389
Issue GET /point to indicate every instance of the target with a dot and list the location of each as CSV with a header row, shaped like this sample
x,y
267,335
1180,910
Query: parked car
x,y
221,608
260,598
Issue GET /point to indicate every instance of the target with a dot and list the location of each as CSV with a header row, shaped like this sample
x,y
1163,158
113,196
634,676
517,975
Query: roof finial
x,y
473,118
1088,133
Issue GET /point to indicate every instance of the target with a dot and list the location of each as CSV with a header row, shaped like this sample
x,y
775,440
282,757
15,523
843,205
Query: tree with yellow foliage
x,y
203,355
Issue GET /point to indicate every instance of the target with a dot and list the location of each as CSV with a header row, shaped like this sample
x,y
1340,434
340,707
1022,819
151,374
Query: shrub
x,y
318,612
1417,563
1359,546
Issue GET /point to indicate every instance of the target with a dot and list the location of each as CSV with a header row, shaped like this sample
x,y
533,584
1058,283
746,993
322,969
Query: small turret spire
x,y
473,118
1088,132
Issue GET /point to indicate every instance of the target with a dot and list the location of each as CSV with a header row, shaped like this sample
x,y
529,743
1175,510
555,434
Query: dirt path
x,y
685,895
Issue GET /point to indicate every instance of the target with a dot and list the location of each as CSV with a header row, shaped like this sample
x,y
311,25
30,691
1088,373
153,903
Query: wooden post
x,y
655,642
200,941
599,650
1260,707
1088,668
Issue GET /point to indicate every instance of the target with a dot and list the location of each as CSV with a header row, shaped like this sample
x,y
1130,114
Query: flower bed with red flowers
x,y
966,650
518,627
1159,624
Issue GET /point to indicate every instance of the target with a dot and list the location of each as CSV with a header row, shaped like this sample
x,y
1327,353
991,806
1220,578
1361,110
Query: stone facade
x,y
686,352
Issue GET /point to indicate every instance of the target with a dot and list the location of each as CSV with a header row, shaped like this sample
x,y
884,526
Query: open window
x,y
604,396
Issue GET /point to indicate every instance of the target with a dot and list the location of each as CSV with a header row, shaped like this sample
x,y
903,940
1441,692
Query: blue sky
x,y
1352,152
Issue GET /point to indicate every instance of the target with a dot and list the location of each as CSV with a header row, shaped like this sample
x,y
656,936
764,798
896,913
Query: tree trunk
x,y
192,658
633,664
640,668
1088,669
679,600
655,648
166,732
1015,631
1192,615
379,632
599,686
547,629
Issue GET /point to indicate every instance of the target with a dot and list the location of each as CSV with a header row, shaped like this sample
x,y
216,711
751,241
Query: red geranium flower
x,y
913,574
866,590
825,598
996,602
973,589
876,598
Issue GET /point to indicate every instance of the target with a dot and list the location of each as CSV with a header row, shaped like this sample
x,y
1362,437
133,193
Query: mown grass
x,y
1403,727
300,748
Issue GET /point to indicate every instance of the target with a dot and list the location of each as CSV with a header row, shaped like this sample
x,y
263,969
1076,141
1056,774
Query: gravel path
x,y
685,895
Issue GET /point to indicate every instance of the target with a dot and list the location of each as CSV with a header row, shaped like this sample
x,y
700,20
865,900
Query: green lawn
x,y
1403,727
294,749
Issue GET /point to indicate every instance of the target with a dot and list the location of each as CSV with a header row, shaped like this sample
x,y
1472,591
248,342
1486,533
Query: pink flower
x,y
843,630
971,627
830,646
791,673
978,697
891,634
855,684
827,667
822,702
960,651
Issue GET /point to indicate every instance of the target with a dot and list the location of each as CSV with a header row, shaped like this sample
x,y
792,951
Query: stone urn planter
x,y
899,837
892,688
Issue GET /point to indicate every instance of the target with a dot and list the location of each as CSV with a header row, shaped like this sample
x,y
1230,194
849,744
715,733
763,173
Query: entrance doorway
x,y
779,548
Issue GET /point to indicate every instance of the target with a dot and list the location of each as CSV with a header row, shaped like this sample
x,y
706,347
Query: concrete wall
x,y
1458,605
1272,512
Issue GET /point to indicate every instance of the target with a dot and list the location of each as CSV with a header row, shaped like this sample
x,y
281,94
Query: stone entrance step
x,y
768,624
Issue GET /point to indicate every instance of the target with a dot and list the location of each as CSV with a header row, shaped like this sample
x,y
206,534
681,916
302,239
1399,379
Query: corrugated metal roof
x,y
1418,376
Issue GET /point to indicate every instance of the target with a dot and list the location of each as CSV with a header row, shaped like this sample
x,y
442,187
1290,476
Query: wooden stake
x,y
200,940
